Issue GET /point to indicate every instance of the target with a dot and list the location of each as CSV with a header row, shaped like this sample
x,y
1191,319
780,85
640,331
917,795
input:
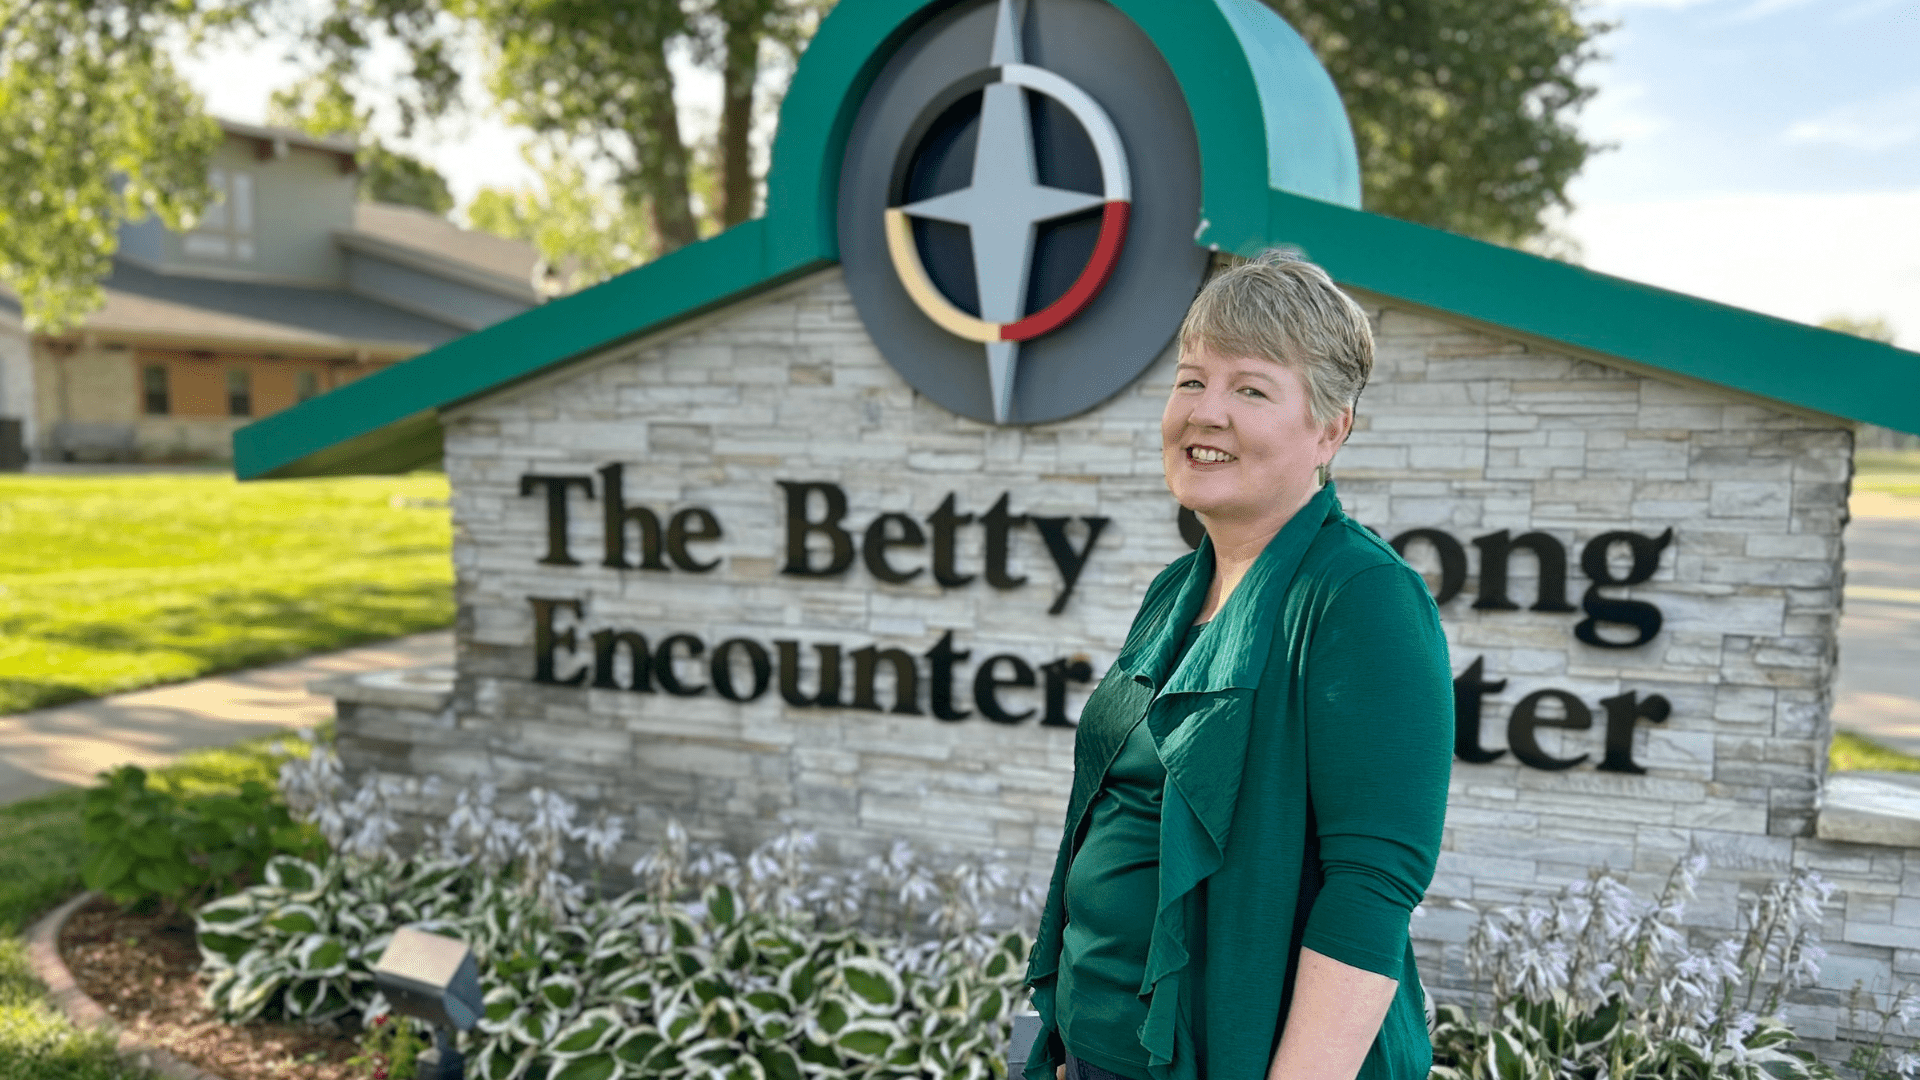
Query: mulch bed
x,y
143,970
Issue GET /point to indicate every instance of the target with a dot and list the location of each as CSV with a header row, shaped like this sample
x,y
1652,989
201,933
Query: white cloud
x,y
1619,113
1801,257
1876,123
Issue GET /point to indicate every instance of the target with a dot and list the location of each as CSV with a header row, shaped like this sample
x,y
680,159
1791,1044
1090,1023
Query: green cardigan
x,y
1326,670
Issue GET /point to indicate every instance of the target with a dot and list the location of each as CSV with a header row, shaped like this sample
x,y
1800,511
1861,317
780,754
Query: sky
x,y
1764,153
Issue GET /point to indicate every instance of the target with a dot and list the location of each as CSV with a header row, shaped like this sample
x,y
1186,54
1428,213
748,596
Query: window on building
x,y
153,387
226,225
306,385
239,393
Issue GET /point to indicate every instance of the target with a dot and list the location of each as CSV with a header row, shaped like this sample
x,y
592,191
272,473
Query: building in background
x,y
288,288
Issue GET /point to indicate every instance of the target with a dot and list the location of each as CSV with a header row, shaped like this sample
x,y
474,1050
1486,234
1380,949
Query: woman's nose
x,y
1209,410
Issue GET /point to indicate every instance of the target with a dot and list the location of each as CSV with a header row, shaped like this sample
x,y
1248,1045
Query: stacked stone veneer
x,y
1460,430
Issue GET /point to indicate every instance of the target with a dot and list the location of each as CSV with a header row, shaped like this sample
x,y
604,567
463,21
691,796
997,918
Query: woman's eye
x,y
1253,391
1186,383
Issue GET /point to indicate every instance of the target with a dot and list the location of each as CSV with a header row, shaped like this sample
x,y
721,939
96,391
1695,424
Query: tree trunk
x,y
662,161
740,69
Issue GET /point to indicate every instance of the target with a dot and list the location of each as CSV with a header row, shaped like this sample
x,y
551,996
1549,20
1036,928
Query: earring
x,y
1320,474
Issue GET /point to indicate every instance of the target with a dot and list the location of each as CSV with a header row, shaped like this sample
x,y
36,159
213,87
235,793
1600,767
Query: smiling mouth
x,y
1207,455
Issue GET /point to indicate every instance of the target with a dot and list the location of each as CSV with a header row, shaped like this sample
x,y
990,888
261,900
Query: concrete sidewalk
x,y
66,745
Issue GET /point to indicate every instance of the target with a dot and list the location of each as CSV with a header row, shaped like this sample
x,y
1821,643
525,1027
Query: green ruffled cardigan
x,y
1325,671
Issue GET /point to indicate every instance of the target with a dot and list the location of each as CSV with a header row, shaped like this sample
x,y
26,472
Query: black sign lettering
x,y
1057,674
606,647
1526,720
663,669
1453,559
945,521
886,531
721,669
942,657
690,526
1642,616
616,516
800,526
1622,711
987,686
828,696
999,522
1468,688
556,487
546,640
906,679
1054,531
1496,549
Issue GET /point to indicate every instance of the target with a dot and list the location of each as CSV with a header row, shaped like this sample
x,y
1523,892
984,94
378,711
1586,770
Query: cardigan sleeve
x,y
1379,723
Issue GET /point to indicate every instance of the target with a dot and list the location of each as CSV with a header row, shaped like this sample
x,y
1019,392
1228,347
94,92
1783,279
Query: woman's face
x,y
1237,441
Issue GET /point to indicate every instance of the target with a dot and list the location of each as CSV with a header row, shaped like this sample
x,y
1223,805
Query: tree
x,y
1463,110
96,128
585,233
321,105
1871,327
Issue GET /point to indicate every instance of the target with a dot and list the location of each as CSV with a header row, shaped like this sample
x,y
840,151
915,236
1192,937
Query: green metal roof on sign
x,y
1273,172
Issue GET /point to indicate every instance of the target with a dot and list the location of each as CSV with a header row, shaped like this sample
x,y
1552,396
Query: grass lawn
x,y
114,582
40,853
1894,472
1853,753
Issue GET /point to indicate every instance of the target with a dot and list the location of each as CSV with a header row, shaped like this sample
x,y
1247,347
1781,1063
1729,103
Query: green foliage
x,y
1596,983
40,853
109,583
36,1042
1856,753
1463,110
1871,327
322,105
390,1046
148,846
96,127
585,234
638,986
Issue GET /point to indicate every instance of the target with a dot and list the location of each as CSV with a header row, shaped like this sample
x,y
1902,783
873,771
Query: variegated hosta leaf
x,y
779,1062
642,1050
587,1034
534,1025
708,1055
723,1018
992,1005
798,979
229,914
320,957
868,1039
222,950
497,1008
561,991
503,1061
598,1066
298,877
295,918
876,988
680,1022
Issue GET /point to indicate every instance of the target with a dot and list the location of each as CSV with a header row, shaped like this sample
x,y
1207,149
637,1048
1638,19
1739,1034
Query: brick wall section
x,y
1459,431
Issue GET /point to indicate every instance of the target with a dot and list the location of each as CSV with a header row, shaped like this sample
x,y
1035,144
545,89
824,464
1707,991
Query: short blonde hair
x,y
1280,307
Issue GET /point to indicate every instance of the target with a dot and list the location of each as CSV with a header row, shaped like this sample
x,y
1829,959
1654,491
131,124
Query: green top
x,y
1112,889
1325,676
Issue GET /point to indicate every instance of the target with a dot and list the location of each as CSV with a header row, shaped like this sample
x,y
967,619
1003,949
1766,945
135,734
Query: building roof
x,y
270,138
388,230
153,308
1218,52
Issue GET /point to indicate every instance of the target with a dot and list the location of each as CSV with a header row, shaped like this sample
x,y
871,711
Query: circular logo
x,y
1010,260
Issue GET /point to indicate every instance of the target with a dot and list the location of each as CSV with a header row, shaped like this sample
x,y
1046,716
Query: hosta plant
x,y
1599,984
714,967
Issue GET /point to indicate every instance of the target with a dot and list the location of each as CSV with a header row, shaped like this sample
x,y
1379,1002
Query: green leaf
x,y
588,1067
641,1049
107,867
722,906
780,1063
868,1040
587,1034
153,842
295,919
292,874
876,986
560,991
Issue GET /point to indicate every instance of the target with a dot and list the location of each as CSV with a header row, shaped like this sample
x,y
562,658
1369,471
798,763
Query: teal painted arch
x,y
1266,113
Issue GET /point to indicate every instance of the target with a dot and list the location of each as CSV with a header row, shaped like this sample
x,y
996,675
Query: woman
x,y
1260,779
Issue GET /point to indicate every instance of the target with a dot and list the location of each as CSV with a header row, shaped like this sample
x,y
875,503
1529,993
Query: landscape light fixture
x,y
432,978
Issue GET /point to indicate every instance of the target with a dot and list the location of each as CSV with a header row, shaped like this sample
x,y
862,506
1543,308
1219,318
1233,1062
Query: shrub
x,y
714,966
148,846
1598,984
